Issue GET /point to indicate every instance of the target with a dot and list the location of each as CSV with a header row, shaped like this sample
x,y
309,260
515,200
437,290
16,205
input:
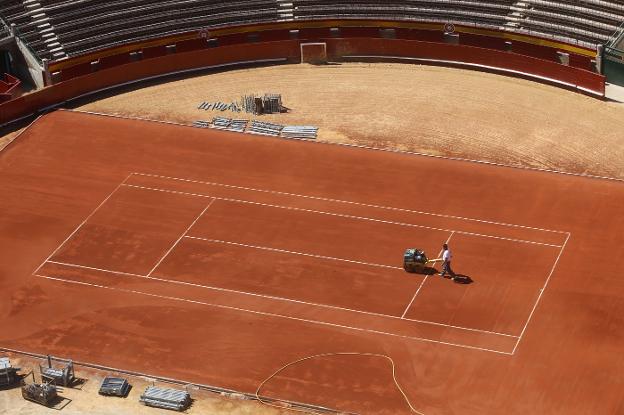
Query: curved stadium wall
x,y
481,44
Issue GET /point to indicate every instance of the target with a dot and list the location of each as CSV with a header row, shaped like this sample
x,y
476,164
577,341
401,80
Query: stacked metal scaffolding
x,y
166,398
220,106
63,375
260,127
114,387
221,123
265,128
8,373
44,393
201,124
266,104
300,131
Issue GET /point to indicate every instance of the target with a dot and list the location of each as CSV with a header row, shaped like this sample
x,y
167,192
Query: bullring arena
x,y
264,274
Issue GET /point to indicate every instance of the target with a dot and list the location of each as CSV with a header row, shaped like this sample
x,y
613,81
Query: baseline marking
x,y
539,297
320,212
83,222
180,238
323,323
422,283
349,202
271,297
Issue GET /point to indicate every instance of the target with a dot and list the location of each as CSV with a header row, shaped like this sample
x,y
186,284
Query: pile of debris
x,y
166,398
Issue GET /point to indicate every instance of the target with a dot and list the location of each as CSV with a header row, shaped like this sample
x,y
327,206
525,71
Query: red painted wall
x,y
337,48
117,69
75,87
9,86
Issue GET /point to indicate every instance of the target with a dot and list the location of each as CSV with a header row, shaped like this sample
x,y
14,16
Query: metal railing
x,y
617,38
5,30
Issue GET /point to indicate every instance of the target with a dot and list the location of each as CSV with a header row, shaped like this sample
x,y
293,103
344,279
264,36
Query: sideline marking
x,y
423,283
412,225
323,323
348,202
294,252
82,223
180,238
539,297
271,297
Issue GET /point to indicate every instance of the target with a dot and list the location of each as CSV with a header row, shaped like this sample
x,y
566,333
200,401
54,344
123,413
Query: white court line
x,y
350,202
271,297
351,261
320,212
82,223
423,282
323,323
539,297
180,238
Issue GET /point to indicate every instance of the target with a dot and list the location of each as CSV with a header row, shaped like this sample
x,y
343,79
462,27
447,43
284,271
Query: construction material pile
x,y
166,398
300,131
8,373
265,128
220,106
229,124
62,375
114,387
266,104
43,394
260,127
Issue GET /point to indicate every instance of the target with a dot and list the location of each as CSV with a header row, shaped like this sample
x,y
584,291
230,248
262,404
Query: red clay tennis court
x,y
219,258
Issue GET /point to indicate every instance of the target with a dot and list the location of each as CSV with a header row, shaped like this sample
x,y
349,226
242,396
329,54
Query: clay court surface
x,y
219,258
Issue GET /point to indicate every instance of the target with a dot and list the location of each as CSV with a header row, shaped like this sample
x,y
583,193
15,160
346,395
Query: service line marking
x,y
423,282
349,202
83,222
285,251
271,297
323,323
181,236
539,297
363,218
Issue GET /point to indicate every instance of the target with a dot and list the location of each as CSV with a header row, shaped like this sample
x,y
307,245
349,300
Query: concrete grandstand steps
x,y
286,10
47,35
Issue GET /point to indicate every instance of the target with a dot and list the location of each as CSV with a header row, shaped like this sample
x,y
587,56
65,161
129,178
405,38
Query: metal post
x,y
599,57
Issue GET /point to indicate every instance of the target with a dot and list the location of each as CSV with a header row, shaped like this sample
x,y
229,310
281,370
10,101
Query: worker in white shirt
x,y
446,262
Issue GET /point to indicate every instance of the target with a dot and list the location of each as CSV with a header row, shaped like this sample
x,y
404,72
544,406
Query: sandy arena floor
x,y
409,107
87,401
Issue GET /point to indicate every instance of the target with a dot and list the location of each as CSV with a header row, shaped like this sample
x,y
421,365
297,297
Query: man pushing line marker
x,y
446,262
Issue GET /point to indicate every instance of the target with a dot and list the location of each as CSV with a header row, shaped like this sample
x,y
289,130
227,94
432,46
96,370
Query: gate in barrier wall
x,y
613,65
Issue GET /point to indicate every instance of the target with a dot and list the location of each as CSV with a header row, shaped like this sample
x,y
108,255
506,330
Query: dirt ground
x,y
6,139
418,108
87,401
